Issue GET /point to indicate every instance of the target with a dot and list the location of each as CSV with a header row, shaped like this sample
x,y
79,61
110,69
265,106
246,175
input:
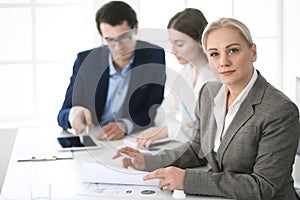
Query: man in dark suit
x,y
118,85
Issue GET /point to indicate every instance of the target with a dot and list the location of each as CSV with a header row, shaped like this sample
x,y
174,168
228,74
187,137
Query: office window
x,y
40,39
58,31
15,23
213,9
14,1
156,13
266,30
16,91
267,34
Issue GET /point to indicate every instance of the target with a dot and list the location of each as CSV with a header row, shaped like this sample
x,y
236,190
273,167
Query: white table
x,y
65,175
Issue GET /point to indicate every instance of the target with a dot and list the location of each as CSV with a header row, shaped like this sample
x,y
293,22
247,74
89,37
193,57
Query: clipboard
x,y
42,151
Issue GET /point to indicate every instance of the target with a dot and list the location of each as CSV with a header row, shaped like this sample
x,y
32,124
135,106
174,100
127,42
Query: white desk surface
x,y
65,175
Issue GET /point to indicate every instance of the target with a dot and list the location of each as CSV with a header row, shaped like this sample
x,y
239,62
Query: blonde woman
x,y
246,129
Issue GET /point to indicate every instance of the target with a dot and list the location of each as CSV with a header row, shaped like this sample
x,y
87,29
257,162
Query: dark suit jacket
x,y
256,155
89,85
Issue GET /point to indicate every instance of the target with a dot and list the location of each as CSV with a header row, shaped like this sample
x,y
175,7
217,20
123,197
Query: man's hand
x,y
136,160
80,118
150,135
172,177
113,131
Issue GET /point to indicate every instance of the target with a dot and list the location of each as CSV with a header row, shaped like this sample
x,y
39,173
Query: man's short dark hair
x,y
115,13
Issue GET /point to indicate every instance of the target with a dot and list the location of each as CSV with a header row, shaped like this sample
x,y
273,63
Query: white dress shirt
x,y
117,91
223,120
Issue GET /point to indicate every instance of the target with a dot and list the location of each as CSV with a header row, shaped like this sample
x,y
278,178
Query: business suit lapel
x,y
234,127
245,111
207,140
102,71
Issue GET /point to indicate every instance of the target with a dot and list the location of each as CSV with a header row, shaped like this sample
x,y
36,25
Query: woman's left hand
x,y
171,176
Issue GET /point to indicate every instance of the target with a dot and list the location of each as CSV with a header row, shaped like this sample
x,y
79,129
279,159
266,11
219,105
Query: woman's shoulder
x,y
211,88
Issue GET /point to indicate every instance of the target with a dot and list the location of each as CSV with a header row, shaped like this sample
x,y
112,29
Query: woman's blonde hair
x,y
227,23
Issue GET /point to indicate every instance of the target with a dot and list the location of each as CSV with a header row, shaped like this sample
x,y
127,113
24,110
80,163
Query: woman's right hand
x,y
136,159
151,134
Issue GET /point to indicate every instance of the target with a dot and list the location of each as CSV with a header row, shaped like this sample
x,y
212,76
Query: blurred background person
x,y
175,116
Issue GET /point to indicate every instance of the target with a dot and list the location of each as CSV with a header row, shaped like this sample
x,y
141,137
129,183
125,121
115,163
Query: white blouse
x,y
222,119
180,99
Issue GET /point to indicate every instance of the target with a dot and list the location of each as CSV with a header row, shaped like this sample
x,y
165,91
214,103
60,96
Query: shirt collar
x,y
112,70
221,96
247,89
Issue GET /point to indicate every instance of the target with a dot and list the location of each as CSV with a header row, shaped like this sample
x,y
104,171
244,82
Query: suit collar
x,y
242,116
112,69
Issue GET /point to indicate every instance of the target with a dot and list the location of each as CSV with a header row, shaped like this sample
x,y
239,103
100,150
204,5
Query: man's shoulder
x,y
91,56
151,53
143,45
93,50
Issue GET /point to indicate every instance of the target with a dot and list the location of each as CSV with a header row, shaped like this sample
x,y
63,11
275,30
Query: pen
x,y
87,129
86,132
125,155
187,111
153,149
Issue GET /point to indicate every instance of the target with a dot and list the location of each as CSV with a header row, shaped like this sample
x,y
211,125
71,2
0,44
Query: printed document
x,y
99,173
122,191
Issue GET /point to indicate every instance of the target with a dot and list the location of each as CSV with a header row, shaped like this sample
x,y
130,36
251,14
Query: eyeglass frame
x,y
121,38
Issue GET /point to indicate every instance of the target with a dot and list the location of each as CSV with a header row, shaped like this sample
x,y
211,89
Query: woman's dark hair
x,y
115,13
190,21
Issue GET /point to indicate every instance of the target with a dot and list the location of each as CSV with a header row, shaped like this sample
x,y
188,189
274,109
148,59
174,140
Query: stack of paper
x,y
98,173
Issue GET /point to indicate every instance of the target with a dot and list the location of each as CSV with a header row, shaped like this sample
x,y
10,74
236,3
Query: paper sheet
x,y
98,173
43,151
123,191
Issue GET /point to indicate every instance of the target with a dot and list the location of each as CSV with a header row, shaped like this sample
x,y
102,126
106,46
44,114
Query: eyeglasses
x,y
122,39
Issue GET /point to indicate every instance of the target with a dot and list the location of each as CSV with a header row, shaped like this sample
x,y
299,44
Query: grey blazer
x,y
256,155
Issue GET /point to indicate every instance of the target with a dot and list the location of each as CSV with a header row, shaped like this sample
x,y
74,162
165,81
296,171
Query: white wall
x,y
291,44
290,61
296,172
